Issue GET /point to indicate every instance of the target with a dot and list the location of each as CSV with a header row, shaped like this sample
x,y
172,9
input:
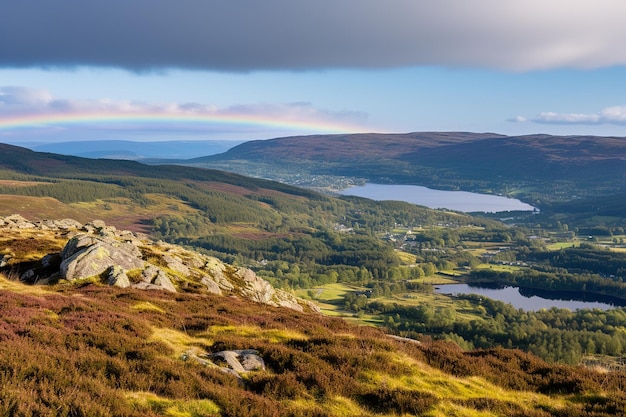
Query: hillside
x,y
544,166
80,346
240,219
374,263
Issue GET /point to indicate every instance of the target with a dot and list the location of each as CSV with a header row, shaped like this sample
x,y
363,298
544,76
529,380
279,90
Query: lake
x,y
533,300
452,200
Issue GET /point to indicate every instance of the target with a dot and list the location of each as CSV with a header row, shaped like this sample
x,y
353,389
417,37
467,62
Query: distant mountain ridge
x,y
487,162
134,150
347,147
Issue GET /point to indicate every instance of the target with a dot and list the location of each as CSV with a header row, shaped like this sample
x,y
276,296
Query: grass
x,y
329,298
406,258
253,332
172,408
16,286
177,341
437,280
560,245
499,267
454,391
147,306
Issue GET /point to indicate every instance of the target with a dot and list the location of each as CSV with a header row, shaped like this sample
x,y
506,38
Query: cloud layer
x,y
246,35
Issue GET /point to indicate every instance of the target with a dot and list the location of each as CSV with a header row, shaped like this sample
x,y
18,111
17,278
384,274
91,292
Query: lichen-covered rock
x,y
117,277
85,256
211,286
176,264
255,288
251,361
154,278
216,274
15,221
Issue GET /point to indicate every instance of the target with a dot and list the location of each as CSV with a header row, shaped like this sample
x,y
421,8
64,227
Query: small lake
x,y
533,300
452,200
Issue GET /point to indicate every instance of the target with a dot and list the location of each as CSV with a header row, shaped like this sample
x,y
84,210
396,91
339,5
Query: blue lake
x,y
453,200
533,300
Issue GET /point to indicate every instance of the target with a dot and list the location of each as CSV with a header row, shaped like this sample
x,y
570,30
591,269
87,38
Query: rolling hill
x,y
83,347
551,167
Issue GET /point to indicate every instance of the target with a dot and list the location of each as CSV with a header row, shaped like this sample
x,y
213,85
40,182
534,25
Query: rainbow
x,y
86,119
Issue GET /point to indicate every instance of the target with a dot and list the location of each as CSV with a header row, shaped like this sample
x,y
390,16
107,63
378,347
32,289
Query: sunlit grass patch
x,y
147,306
436,280
332,292
335,406
560,245
178,342
329,298
453,391
448,408
172,408
499,267
253,332
20,288
406,258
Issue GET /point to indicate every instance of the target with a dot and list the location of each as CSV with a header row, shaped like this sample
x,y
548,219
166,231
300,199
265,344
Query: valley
x,y
369,265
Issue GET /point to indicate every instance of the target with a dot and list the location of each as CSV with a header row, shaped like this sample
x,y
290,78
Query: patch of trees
x,y
561,280
556,335
315,255
584,258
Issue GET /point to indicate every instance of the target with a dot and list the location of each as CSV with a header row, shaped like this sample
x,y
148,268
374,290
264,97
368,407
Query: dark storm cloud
x,y
244,35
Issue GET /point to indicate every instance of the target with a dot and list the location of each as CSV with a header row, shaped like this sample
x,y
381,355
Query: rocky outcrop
x,y
234,362
16,221
124,259
86,255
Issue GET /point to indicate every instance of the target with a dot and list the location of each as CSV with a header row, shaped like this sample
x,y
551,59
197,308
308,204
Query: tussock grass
x,y
177,342
454,391
147,306
255,333
172,408
14,285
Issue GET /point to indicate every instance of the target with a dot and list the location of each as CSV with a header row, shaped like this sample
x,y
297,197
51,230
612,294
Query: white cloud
x,y
248,35
610,115
568,118
615,114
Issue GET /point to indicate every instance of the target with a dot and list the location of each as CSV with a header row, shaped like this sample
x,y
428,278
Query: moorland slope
x,y
81,347
552,167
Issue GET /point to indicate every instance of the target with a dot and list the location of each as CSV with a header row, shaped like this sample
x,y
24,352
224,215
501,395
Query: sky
x,y
150,70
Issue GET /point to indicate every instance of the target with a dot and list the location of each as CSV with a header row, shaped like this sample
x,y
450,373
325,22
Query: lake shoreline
x,y
464,201
540,297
